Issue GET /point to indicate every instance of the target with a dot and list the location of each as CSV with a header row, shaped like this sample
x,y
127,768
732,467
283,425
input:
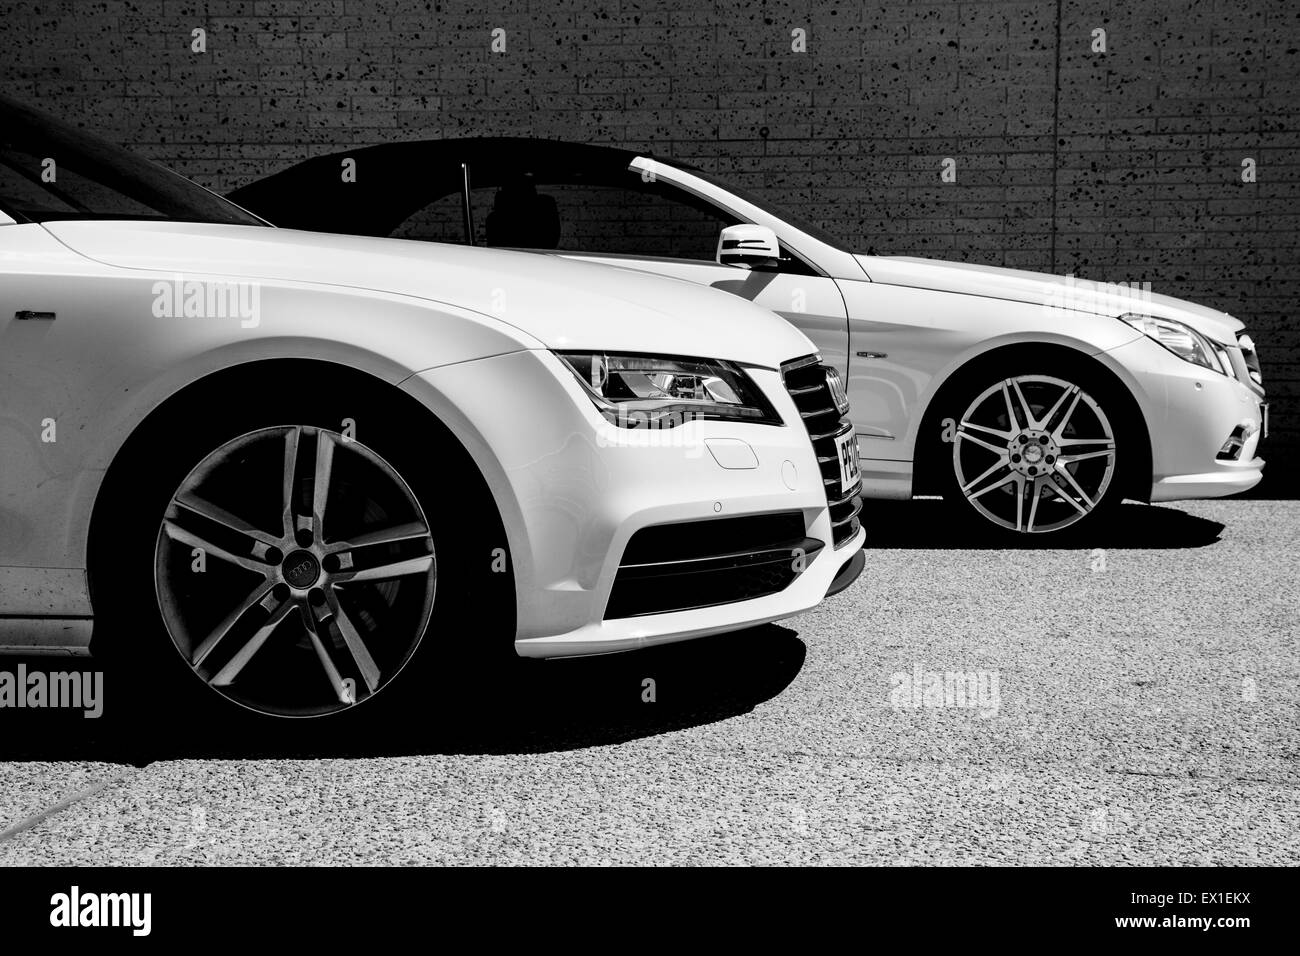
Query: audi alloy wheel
x,y
295,571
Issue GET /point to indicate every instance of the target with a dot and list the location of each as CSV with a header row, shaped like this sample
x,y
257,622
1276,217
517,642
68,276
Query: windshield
x,y
772,209
50,170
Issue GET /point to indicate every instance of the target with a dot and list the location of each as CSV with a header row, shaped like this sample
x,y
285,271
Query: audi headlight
x,y
1183,340
663,391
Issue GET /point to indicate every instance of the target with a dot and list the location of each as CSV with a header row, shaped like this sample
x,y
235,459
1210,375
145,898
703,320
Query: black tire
x,y
134,574
1078,483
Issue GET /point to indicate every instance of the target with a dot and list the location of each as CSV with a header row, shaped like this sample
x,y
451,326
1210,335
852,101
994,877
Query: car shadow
x,y
523,707
928,523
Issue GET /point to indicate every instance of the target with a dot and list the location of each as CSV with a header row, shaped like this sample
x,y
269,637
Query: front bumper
x,y
573,489
830,573
1190,413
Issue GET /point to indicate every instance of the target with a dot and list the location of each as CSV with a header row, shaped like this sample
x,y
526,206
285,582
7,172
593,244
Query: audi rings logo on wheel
x,y
301,569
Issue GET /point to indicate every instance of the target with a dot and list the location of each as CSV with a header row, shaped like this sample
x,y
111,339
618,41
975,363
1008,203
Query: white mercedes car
x,y
284,461
1034,402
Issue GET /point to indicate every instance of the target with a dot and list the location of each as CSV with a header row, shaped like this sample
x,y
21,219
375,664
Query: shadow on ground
x,y
523,707
928,523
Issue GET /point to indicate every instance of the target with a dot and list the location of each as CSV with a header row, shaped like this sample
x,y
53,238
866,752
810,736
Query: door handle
x,y
23,314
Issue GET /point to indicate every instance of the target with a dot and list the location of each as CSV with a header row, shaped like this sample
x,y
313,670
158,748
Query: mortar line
x,y
1056,127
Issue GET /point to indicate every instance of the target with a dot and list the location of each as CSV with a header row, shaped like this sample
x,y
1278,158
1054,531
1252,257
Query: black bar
x,y
921,910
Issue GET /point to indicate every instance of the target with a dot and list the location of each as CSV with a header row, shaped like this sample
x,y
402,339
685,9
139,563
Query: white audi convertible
x,y
1033,403
285,462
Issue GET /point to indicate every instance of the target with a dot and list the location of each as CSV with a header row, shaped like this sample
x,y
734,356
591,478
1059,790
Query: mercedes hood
x,y
1065,292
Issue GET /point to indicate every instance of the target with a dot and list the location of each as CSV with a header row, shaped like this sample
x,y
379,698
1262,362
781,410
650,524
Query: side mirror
x,y
749,246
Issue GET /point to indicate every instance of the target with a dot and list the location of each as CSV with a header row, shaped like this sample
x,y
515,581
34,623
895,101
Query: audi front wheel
x,y
295,571
271,561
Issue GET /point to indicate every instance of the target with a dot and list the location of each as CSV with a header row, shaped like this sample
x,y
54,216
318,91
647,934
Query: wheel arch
x,y
200,393
928,449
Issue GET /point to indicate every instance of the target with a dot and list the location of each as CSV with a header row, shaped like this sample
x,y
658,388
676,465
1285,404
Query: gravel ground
x,y
1139,706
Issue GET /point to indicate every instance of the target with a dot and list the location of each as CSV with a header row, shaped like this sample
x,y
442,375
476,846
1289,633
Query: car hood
x,y
559,303
1064,291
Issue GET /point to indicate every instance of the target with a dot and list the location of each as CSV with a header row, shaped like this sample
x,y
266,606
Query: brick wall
x,y
1119,166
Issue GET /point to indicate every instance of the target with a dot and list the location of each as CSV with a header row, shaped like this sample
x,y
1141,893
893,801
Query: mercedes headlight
x,y
1183,340
663,391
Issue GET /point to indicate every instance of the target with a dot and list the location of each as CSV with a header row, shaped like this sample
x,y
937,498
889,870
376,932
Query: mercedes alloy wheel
x,y
1034,454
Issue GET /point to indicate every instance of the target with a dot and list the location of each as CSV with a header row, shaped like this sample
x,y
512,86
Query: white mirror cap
x,y
748,245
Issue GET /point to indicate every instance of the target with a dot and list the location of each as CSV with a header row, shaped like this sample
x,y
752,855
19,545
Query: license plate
x,y
1263,416
846,449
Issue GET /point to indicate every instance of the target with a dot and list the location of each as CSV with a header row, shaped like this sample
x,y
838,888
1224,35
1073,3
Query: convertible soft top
x,y
395,179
